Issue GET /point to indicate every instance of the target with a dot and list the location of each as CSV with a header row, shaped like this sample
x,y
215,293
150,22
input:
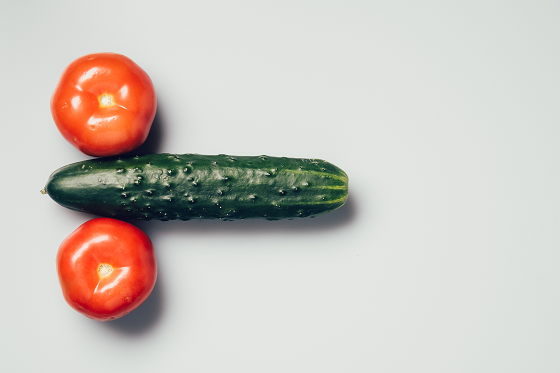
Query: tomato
x,y
106,268
104,104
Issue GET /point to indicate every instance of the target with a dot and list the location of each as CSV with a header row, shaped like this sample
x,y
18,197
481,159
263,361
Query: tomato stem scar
x,y
105,100
104,270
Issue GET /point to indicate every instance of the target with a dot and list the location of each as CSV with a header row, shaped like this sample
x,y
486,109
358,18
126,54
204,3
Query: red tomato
x,y
106,268
104,104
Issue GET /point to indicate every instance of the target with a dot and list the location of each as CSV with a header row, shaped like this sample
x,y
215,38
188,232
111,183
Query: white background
x,y
444,114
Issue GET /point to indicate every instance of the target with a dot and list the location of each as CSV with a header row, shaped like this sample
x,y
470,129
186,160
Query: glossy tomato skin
x,y
104,104
106,268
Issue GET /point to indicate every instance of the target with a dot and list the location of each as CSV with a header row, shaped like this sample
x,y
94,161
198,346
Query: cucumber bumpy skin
x,y
193,186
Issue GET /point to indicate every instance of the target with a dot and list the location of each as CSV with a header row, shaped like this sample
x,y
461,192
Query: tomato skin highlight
x,y
106,268
104,104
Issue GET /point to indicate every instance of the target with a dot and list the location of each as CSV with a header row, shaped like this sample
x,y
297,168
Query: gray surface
x,y
445,116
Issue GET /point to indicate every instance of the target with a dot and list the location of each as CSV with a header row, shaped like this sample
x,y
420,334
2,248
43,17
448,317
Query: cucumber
x,y
194,186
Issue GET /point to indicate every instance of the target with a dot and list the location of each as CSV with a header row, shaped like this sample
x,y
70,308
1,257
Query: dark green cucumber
x,y
193,186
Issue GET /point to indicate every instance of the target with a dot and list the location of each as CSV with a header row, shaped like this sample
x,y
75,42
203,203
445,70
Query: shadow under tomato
x,y
155,137
145,317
